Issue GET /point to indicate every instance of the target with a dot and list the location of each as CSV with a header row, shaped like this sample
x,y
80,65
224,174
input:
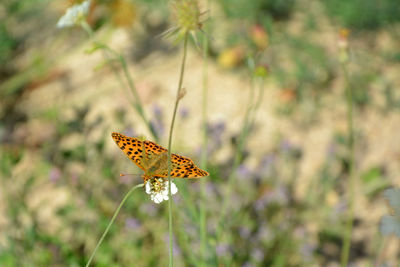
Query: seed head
x,y
187,17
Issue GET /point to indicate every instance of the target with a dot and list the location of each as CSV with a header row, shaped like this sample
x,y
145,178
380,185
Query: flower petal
x,y
166,197
148,188
158,198
174,189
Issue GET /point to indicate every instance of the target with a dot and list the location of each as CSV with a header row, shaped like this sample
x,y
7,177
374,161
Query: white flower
x,y
158,190
74,15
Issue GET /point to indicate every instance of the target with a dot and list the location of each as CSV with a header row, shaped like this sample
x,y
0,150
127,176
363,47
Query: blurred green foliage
x,y
258,10
7,44
364,14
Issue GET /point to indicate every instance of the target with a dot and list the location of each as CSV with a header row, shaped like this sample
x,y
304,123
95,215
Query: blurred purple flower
x,y
260,204
210,188
307,250
158,127
278,195
214,132
190,229
281,195
55,174
244,232
222,249
158,123
266,165
331,151
129,131
338,209
286,146
157,111
257,254
183,112
175,247
132,223
149,209
264,233
243,171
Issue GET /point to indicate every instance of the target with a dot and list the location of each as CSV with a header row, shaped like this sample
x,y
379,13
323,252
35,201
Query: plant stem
x,y
239,151
178,97
111,222
248,121
259,99
137,103
349,224
204,150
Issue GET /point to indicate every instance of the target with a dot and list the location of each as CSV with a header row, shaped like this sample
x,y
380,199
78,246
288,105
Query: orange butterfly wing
x,y
132,147
182,167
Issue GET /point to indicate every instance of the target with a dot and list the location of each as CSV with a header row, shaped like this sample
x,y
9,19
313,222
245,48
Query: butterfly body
x,y
153,159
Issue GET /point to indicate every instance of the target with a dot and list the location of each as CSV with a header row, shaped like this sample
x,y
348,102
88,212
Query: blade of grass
x,y
204,150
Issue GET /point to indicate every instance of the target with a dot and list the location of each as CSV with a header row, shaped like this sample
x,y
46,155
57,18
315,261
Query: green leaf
x,y
374,181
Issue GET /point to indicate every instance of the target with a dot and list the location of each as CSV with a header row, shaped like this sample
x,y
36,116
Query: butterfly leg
x,y
159,181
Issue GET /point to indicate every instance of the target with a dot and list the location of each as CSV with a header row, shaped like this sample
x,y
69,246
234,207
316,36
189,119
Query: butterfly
x,y
153,159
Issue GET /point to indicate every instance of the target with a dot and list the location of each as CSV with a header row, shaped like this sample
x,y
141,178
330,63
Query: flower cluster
x,y
74,15
187,19
157,188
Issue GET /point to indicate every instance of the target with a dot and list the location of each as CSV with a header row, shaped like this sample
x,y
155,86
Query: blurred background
x,y
284,185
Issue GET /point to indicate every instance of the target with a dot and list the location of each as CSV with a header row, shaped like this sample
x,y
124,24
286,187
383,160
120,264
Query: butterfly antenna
x,y
129,174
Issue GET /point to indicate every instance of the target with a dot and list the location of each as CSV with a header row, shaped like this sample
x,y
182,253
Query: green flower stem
x,y
111,222
137,103
259,99
178,97
204,150
87,28
352,179
238,153
248,121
